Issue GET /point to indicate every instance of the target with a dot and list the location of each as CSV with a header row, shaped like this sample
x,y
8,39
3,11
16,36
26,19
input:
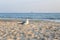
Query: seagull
x,y
24,22
27,22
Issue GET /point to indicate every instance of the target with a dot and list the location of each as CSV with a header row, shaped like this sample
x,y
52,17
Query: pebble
x,y
34,31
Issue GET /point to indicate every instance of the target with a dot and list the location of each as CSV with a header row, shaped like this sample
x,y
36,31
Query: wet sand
x,y
35,30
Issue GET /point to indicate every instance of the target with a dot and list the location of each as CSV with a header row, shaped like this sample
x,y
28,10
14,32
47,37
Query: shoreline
x,y
19,19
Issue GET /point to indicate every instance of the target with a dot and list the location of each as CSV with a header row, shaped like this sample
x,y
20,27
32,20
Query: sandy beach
x,y
35,30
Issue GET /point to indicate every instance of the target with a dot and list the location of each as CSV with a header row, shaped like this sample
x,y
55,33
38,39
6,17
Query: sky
x,y
27,6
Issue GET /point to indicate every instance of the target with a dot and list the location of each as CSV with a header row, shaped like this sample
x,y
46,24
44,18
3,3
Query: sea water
x,y
40,16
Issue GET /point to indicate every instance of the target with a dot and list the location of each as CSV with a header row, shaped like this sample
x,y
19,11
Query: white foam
x,y
52,20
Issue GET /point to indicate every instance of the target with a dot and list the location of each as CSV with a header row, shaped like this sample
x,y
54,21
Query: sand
x,y
35,30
